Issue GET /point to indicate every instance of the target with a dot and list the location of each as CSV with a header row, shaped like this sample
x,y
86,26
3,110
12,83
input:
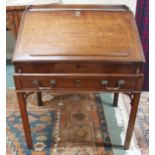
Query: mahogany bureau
x,y
78,48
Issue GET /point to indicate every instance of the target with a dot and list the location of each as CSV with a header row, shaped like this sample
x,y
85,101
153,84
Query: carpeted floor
x,y
66,124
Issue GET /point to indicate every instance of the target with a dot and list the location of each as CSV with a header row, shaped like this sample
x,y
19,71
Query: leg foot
x,y
132,118
40,103
25,121
115,102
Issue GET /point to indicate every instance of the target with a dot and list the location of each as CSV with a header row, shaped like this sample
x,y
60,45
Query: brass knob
x,y
53,83
121,82
78,82
19,70
35,82
104,82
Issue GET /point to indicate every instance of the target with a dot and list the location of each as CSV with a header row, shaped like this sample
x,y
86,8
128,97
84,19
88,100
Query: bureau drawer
x,y
76,67
86,82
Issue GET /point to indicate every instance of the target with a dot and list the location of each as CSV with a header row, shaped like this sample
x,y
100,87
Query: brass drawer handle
x,y
78,83
52,84
105,83
44,88
121,82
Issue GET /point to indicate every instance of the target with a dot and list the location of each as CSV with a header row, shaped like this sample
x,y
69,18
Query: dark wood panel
x,y
75,68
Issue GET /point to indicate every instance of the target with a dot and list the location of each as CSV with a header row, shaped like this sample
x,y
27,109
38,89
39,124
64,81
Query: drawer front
x,y
78,82
75,68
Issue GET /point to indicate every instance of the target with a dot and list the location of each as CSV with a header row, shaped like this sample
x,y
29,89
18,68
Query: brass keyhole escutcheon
x,y
35,82
53,83
78,83
77,66
77,13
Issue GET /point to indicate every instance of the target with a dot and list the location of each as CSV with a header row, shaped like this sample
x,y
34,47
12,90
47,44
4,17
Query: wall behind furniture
x,y
10,40
10,43
130,3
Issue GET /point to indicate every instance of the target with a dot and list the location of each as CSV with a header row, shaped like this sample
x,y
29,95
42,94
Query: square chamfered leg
x,y
115,100
25,121
39,98
132,118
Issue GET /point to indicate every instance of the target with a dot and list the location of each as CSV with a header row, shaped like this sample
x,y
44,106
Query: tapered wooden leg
x,y
132,118
40,103
115,101
25,121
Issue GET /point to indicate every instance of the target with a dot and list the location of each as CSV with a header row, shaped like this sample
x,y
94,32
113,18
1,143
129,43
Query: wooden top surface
x,y
83,34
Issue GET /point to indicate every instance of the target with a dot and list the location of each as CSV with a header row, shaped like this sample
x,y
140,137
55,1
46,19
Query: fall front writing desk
x,y
78,48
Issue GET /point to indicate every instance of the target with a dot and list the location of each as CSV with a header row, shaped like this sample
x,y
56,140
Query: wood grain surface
x,y
71,34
